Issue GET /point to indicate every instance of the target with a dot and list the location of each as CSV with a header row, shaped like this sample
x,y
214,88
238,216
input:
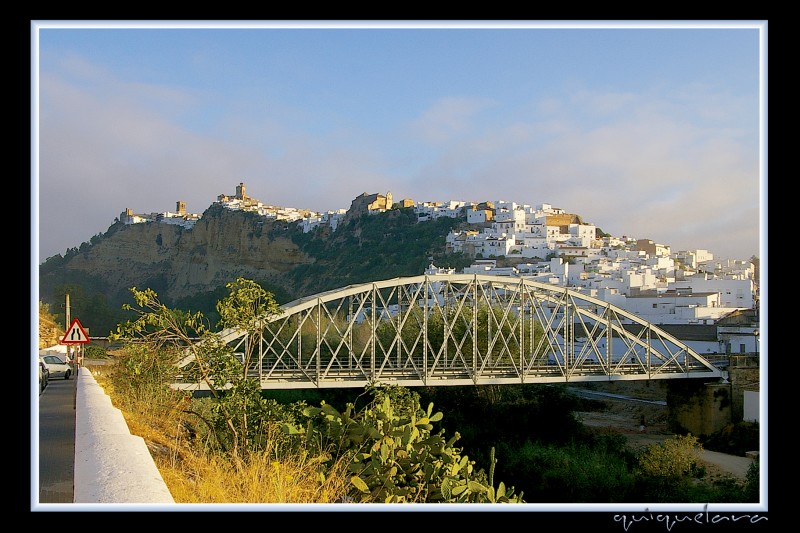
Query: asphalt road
x,y
56,443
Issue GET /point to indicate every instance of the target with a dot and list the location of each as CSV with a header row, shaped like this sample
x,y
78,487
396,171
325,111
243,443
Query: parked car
x,y
44,376
57,367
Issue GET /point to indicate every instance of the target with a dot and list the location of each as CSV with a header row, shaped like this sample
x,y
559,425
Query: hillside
x,y
189,268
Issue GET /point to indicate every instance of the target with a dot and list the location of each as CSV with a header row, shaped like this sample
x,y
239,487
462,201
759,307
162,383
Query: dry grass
x,y
258,480
193,476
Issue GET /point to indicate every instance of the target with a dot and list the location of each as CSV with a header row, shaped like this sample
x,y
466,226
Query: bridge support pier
x,y
698,407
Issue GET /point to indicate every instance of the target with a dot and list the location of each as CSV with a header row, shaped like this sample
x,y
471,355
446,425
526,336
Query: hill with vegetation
x,y
189,268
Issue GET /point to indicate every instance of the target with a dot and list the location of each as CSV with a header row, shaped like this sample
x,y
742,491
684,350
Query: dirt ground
x,y
624,416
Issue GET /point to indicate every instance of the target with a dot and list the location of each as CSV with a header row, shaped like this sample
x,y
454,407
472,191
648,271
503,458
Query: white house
x,y
676,307
733,293
476,216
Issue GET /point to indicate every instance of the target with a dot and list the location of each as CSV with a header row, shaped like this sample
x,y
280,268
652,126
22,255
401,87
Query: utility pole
x,y
66,325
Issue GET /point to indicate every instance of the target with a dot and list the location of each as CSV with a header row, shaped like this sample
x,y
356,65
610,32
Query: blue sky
x,y
651,130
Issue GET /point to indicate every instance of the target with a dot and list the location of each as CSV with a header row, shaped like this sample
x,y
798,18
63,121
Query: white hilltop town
x,y
687,287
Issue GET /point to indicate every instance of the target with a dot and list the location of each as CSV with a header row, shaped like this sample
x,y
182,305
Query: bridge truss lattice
x,y
459,329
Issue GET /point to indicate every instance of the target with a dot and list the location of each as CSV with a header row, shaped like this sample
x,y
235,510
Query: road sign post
x,y
76,334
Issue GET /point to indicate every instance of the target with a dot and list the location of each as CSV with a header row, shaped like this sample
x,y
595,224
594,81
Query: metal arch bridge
x,y
458,329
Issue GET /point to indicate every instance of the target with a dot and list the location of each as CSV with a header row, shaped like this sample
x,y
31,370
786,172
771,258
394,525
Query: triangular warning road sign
x,y
75,334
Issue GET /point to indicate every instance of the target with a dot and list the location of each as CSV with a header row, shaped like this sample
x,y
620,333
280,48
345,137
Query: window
x,y
741,348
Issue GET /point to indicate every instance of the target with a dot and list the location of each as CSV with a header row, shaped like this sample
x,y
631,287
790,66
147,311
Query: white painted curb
x,y
111,465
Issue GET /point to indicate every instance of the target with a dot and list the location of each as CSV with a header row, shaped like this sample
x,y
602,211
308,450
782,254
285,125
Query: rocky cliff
x,y
187,267
222,246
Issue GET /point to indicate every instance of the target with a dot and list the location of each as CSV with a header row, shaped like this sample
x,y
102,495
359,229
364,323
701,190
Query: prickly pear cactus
x,y
394,455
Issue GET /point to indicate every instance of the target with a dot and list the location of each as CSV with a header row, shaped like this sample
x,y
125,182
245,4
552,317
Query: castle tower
x,y
240,194
126,216
181,207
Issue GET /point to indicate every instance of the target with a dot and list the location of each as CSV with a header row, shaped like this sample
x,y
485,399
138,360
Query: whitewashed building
x,y
677,307
733,293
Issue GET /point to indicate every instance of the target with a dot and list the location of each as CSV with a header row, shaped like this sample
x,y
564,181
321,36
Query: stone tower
x,y
181,207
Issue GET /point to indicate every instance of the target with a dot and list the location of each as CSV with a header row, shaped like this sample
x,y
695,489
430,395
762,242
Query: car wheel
x,y
66,374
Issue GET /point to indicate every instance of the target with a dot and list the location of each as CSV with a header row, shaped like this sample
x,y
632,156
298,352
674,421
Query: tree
x,y
206,357
496,329
247,309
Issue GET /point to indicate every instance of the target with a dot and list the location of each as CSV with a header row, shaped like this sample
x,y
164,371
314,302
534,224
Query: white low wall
x,y
752,406
111,465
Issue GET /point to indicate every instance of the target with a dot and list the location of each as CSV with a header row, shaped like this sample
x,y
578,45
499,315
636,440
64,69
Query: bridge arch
x,y
459,329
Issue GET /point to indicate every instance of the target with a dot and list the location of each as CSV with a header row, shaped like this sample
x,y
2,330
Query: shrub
x,y
666,471
95,352
142,375
672,459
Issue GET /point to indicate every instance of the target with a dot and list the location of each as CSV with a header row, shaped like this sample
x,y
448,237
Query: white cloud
x,y
449,118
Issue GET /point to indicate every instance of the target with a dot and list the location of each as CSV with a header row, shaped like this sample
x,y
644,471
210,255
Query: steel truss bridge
x,y
458,329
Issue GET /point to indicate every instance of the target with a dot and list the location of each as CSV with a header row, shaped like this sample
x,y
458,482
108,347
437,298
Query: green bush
x,y
95,352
